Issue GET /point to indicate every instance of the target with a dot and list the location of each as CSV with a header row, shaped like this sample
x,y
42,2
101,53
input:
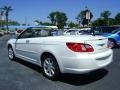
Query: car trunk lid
x,y
99,44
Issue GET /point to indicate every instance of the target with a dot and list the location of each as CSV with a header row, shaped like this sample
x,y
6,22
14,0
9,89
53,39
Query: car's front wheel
x,y
11,54
50,67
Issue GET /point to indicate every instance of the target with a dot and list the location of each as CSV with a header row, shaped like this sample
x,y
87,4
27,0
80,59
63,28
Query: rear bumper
x,y
83,63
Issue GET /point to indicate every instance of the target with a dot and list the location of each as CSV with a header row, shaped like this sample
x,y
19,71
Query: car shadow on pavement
x,y
30,65
83,79
72,79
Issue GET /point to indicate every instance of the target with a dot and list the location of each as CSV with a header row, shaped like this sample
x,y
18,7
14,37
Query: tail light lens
x,y
19,31
79,47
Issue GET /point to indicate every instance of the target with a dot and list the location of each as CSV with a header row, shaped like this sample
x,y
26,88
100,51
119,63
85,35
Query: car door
x,y
25,48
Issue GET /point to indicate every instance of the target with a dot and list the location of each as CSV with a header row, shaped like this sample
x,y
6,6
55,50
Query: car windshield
x,y
116,30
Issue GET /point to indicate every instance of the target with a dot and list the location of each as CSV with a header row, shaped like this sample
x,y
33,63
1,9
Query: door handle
x,y
27,41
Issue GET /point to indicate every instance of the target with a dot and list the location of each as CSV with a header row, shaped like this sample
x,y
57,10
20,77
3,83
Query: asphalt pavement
x,y
21,75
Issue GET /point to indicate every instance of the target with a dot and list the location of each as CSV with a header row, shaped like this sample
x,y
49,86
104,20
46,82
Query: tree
x,y
117,19
105,15
52,17
7,9
99,22
42,23
2,23
112,21
71,25
58,18
46,23
13,23
102,22
81,17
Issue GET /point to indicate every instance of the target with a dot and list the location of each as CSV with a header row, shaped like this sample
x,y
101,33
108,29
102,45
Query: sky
x,y
31,10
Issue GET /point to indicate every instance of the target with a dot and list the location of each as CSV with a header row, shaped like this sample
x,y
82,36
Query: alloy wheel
x,y
10,53
49,67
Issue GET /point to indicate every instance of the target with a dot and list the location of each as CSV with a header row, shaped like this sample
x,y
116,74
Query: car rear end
x,y
84,56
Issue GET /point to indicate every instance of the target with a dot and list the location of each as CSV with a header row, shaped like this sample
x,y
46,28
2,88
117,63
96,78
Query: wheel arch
x,y
12,46
9,45
49,53
112,39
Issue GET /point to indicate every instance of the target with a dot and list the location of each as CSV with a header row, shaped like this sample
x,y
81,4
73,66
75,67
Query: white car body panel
x,y
31,49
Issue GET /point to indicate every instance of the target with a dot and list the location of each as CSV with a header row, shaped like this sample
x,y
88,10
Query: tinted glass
x,y
108,29
116,30
26,34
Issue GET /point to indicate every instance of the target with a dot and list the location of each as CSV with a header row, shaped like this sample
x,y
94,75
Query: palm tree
x,y
7,9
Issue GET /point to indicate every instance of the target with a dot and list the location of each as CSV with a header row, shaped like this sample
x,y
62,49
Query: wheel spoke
x,y
46,62
52,72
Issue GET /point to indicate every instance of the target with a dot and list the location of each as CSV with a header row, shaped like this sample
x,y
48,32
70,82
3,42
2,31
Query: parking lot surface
x,y
21,75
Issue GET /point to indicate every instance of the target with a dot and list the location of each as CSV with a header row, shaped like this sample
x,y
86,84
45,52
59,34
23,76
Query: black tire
x,y
11,54
111,43
50,67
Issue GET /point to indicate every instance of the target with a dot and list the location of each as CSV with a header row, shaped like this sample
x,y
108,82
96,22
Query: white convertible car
x,y
60,54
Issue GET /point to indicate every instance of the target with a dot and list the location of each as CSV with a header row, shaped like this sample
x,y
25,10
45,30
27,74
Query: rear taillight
x,y
19,31
79,47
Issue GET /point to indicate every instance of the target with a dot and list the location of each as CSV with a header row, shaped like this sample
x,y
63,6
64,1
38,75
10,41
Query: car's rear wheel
x,y
111,43
50,67
11,54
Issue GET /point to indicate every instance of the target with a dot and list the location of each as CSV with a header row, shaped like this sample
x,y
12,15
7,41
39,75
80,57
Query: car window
x,y
35,32
44,33
108,29
96,31
84,31
72,32
56,32
26,34
115,31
